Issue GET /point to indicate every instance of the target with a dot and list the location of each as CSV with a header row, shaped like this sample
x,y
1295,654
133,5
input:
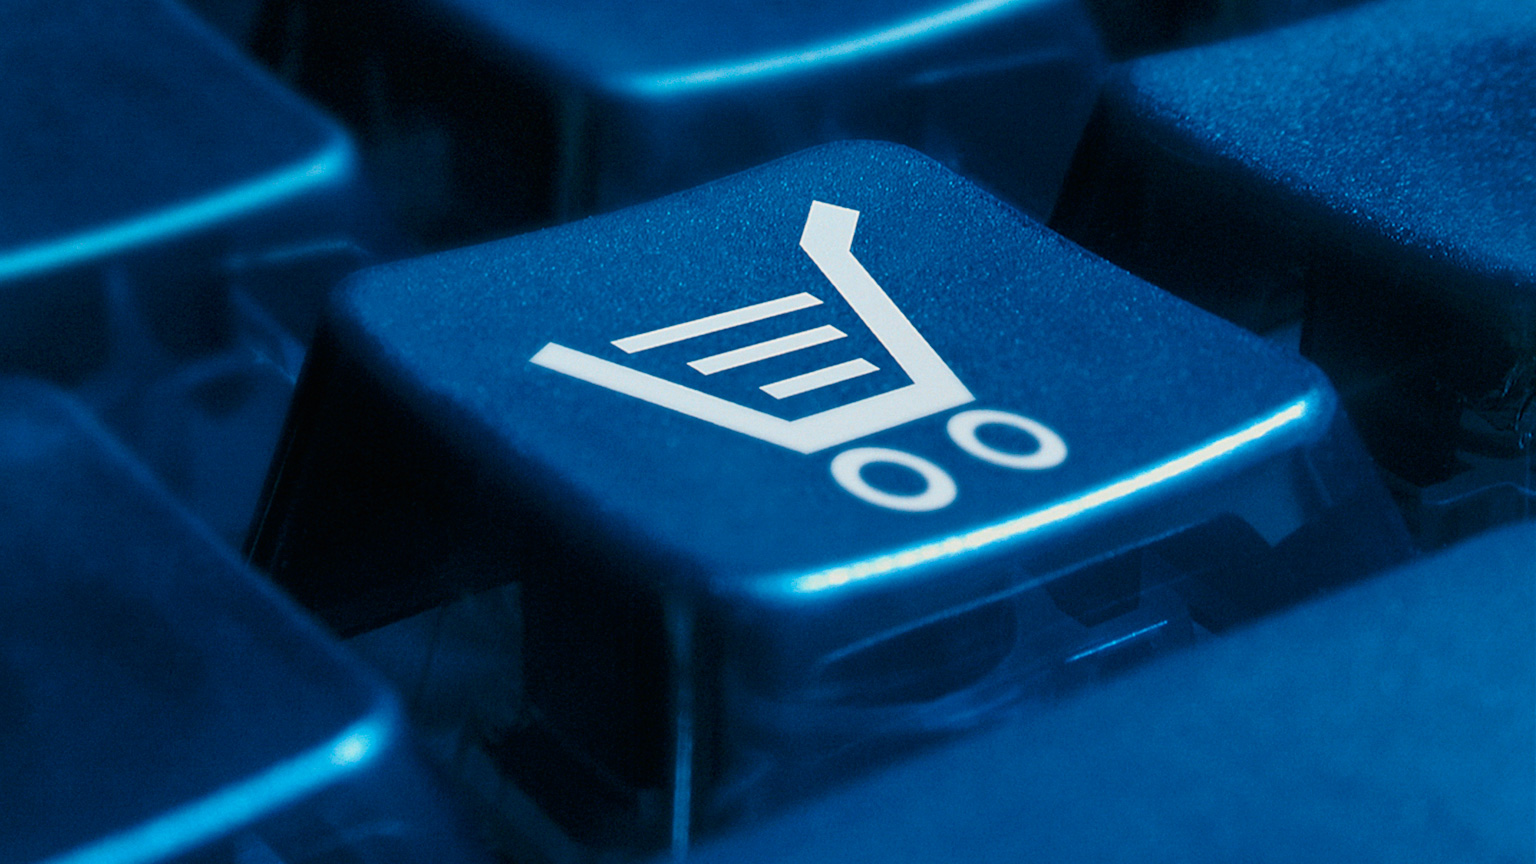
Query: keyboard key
x,y
162,194
145,157
1373,166
484,117
157,699
798,468
1391,722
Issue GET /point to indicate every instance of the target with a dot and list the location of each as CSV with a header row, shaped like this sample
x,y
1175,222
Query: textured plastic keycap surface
x,y
142,151
481,116
835,453
1395,721
155,695
1375,165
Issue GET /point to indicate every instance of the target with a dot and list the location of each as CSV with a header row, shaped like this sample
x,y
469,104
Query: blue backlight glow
x,y
353,749
971,541
184,828
332,165
926,27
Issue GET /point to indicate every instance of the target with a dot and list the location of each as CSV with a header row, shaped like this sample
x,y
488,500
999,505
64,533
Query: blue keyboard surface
x,y
719,444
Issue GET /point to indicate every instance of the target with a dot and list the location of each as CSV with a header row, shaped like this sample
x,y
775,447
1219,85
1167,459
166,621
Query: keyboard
x,y
444,430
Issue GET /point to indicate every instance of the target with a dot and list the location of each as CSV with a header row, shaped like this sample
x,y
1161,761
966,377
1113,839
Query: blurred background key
x,y
137,139
159,701
166,204
482,117
1370,172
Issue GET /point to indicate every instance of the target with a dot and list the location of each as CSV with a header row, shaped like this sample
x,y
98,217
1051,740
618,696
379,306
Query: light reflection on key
x,y
725,606
160,700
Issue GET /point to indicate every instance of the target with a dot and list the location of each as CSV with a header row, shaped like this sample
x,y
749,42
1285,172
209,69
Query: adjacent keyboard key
x,y
798,469
1373,166
145,158
157,699
1392,722
481,117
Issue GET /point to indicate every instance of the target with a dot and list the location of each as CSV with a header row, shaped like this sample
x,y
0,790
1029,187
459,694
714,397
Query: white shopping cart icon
x,y
828,240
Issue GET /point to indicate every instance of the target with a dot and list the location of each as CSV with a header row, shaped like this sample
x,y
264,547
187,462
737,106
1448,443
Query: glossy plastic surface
x,y
170,221
522,114
729,592
1326,741
141,149
161,700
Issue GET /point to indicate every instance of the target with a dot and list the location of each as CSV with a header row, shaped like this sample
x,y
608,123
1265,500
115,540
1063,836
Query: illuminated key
x,y
729,596
157,699
482,116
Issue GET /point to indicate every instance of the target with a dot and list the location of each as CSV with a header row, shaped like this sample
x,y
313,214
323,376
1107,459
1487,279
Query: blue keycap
x,y
482,116
1374,166
157,699
1392,722
797,469
148,164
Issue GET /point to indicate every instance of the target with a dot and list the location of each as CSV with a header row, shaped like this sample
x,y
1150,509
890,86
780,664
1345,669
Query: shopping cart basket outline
x,y
828,239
